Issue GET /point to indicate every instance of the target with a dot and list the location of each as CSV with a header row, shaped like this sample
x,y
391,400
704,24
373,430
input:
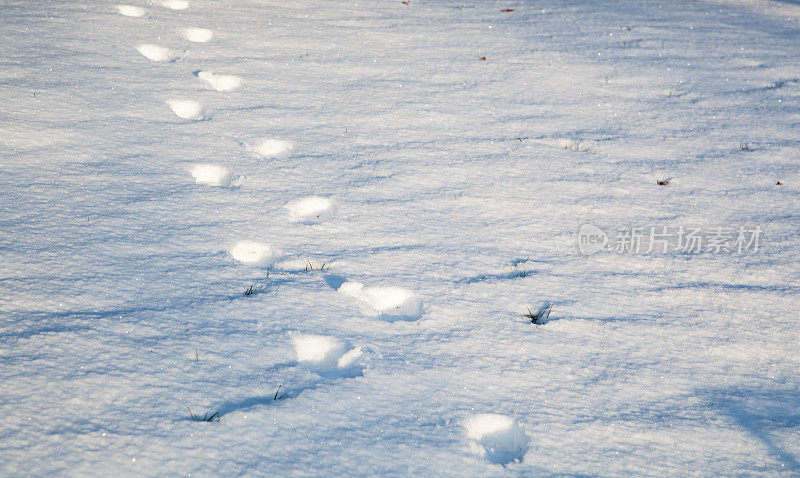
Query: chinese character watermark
x,y
670,239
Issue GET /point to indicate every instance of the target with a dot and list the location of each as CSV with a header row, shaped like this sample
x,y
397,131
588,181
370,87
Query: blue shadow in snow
x,y
334,281
491,277
280,395
761,412
779,289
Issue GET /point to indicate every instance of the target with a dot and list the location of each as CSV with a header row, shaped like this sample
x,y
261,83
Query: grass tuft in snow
x,y
213,417
516,272
276,397
310,267
577,146
744,146
541,316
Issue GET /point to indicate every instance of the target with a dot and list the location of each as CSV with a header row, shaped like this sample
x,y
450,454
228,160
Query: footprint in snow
x,y
213,175
497,438
255,253
220,82
311,210
327,356
158,53
270,148
175,4
187,109
131,11
197,35
387,303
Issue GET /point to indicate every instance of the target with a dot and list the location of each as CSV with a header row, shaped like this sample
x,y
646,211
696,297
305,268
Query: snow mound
x,y
186,109
197,35
311,210
389,303
254,253
327,355
175,4
272,148
157,52
131,11
497,437
212,175
221,82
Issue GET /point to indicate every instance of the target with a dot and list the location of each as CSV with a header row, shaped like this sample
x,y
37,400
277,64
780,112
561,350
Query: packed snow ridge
x,y
496,437
311,210
197,35
175,4
158,53
255,253
388,303
327,355
220,82
212,175
187,109
131,11
271,148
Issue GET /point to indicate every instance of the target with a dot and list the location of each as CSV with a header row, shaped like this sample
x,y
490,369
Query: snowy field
x,y
324,226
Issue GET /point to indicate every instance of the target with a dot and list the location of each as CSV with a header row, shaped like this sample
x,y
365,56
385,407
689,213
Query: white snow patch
x,y
254,253
390,303
327,355
272,148
158,53
197,35
221,82
311,210
175,4
496,437
212,175
349,363
186,109
131,11
351,288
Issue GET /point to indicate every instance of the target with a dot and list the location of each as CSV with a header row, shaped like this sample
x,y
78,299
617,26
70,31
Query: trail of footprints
x,y
498,438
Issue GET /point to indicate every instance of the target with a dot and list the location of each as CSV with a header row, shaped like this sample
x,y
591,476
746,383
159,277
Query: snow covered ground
x,y
414,175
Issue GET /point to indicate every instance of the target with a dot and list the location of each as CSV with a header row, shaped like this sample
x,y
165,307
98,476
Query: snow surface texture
x,y
497,437
123,300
